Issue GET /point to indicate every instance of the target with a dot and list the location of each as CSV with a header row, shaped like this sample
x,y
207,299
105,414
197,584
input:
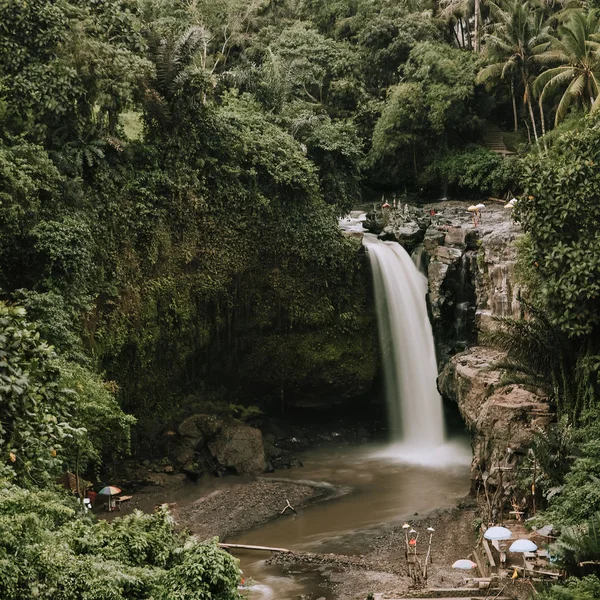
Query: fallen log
x,y
259,548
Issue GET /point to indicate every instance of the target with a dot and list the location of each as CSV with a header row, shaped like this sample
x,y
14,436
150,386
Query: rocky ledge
x,y
470,267
502,417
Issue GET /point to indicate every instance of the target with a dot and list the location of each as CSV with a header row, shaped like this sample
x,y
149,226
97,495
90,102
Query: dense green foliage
x,y
168,257
55,415
171,173
50,549
560,212
587,588
473,172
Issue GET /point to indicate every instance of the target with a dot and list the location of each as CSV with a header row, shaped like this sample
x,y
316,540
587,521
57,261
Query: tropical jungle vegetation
x,y
171,174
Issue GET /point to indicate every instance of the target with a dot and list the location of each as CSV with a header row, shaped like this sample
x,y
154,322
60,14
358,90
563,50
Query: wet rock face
x,y
502,418
496,289
405,225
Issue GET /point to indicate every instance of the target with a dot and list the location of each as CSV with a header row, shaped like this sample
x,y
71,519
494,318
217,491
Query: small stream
x,y
382,489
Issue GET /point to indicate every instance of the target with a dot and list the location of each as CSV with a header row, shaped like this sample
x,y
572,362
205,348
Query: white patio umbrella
x,y
522,546
464,564
497,533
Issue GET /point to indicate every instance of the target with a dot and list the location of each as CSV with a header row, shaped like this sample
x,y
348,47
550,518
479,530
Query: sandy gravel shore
x,y
227,511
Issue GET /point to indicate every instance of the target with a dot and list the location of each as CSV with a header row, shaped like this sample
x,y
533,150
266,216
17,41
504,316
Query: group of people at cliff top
x,y
475,209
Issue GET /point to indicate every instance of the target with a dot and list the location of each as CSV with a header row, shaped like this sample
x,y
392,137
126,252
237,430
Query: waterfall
x,y
419,257
409,363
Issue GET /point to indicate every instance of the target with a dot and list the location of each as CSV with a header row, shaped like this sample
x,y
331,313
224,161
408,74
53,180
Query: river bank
x,y
346,538
382,567
238,507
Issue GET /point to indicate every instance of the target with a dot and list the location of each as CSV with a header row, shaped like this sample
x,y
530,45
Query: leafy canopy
x,y
560,211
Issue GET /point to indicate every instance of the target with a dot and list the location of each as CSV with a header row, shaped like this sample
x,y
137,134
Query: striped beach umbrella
x,y
110,490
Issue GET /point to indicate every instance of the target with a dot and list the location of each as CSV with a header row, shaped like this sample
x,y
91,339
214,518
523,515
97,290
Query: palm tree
x,y
458,14
515,47
538,357
577,54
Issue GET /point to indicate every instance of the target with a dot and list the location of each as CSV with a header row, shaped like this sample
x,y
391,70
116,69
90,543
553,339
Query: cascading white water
x,y
414,404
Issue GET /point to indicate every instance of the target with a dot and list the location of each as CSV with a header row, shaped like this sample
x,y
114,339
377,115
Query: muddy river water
x,y
382,486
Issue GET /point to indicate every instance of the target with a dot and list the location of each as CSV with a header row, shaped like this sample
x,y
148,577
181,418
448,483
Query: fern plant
x,y
542,358
578,547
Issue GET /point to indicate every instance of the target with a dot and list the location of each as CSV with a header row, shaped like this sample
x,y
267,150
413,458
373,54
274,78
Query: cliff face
x,y
496,289
470,269
502,418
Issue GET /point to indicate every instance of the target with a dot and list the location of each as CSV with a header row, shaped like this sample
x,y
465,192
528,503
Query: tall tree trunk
x,y
415,161
528,128
455,32
462,32
543,122
514,105
469,38
531,115
477,20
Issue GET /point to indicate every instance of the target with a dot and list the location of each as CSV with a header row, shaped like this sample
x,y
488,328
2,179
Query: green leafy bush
x,y
579,545
473,173
560,211
578,497
587,588
55,414
50,550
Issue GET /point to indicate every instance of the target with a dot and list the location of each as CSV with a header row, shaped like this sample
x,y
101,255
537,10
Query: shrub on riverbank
x,y
50,550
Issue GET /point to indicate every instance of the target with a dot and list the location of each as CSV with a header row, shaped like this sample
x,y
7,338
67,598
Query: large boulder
x,y
408,234
199,427
209,444
194,434
433,238
239,448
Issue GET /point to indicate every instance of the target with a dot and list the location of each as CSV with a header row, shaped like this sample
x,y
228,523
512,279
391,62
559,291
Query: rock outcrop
x,y
502,418
471,278
207,443
496,289
470,269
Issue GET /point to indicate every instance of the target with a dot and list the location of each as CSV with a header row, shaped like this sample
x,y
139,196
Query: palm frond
x,y
549,80
566,100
